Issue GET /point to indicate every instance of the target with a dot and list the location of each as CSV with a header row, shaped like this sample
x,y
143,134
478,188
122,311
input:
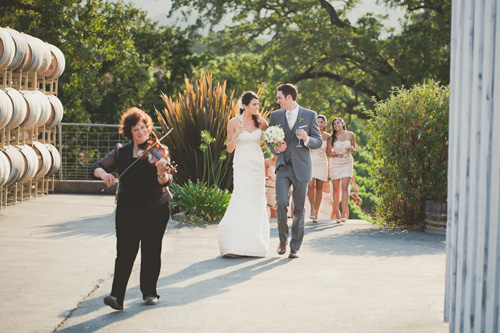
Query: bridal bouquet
x,y
274,135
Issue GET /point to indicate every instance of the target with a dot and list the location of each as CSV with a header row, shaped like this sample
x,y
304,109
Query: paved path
x,y
57,257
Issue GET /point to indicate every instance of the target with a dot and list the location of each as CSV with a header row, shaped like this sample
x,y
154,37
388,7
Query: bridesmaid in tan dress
x,y
340,146
319,171
270,167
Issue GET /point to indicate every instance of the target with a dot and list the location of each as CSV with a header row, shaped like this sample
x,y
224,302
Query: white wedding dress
x,y
244,229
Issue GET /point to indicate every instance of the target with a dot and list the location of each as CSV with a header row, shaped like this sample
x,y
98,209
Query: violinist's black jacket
x,y
138,187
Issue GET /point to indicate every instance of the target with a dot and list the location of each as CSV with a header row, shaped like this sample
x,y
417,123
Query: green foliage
x,y
115,56
422,50
338,65
363,175
409,140
217,175
202,107
200,200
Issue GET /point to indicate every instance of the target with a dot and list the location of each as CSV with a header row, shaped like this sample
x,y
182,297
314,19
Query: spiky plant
x,y
202,107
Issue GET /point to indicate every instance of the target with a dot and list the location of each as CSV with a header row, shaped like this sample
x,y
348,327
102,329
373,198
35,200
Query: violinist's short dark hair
x,y
288,89
130,118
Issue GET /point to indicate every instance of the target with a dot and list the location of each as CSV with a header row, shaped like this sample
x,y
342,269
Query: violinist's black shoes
x,y
113,302
151,300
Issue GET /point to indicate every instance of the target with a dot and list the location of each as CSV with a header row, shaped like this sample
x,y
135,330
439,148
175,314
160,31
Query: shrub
x,y
202,107
363,175
409,141
200,200
203,110
218,174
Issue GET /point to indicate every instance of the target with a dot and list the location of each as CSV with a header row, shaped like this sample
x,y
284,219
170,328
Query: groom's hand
x,y
281,147
303,136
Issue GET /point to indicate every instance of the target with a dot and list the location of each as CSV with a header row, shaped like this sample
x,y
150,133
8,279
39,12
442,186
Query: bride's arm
x,y
263,124
234,129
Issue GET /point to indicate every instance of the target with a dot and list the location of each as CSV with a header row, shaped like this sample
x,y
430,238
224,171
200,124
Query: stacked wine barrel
x,y
30,113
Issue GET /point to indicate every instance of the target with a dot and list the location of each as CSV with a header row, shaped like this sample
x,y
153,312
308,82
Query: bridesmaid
x,y
319,171
270,167
340,146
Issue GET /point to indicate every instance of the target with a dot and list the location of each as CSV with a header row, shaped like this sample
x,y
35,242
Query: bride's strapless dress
x,y
244,229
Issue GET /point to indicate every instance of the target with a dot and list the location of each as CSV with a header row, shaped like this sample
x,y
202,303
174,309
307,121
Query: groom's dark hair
x,y
288,89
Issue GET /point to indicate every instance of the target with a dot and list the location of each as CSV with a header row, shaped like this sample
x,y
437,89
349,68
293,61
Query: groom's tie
x,y
289,118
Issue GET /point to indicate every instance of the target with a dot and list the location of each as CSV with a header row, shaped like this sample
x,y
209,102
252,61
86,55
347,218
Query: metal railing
x,y
81,145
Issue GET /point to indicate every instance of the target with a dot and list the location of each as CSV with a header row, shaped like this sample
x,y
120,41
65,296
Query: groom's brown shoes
x,y
293,254
282,248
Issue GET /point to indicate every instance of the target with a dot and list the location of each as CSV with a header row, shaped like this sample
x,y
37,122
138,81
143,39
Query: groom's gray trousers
x,y
284,178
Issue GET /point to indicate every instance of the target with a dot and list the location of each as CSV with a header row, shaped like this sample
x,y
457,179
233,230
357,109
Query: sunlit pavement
x,y
57,257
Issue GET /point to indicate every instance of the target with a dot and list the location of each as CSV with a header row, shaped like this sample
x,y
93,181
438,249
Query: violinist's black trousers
x,y
133,227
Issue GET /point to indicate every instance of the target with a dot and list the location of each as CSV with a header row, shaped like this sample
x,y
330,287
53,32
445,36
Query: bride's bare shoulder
x,y
232,121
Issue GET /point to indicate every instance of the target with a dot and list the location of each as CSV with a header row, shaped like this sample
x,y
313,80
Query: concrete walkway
x,y
57,256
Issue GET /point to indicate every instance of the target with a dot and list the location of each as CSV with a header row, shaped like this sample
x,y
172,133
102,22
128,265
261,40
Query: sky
x,y
158,11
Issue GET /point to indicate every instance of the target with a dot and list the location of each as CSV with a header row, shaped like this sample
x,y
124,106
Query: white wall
x,y
473,234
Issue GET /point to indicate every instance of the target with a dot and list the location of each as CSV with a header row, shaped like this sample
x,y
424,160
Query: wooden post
x,y
472,301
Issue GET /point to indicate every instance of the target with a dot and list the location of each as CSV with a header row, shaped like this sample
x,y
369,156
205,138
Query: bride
x,y
244,229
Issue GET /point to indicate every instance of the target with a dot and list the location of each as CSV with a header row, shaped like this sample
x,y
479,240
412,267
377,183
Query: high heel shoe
x,y
357,199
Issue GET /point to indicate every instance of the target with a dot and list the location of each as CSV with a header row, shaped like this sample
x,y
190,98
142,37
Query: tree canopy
x,y
341,65
115,56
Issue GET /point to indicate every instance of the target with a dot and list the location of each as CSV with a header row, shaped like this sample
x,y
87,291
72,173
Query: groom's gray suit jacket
x,y
299,157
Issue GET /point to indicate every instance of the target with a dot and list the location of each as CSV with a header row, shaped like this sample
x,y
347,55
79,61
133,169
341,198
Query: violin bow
x,y
139,157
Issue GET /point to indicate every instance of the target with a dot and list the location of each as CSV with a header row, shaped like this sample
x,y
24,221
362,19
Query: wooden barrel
x,y
56,113
45,108
44,52
34,109
22,51
57,64
44,159
39,56
30,159
20,107
5,168
6,109
17,164
7,49
56,159
435,217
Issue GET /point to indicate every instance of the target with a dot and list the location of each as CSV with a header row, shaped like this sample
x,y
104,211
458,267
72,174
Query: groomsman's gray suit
x,y
294,167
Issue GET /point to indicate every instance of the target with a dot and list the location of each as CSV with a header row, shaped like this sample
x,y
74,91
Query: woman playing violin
x,y
142,209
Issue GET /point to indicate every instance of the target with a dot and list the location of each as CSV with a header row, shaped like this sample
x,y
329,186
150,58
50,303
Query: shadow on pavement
x,y
101,225
214,285
377,241
177,296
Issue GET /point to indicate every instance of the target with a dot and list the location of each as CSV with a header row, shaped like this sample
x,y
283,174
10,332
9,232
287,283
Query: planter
x,y
435,217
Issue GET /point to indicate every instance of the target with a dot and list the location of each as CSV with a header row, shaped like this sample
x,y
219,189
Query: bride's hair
x,y
334,135
246,98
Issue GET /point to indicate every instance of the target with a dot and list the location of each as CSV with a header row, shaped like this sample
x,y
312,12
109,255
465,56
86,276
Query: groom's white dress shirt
x,y
291,117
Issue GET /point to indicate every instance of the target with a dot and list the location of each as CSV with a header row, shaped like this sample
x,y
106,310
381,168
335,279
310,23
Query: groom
x,y
293,166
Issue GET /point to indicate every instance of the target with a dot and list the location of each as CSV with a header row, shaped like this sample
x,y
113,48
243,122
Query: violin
x,y
153,151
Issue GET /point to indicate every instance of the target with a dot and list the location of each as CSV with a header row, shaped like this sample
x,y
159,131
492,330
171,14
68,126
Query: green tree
x,y
338,65
115,56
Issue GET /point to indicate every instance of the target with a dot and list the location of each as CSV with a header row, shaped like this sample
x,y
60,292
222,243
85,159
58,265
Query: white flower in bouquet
x,y
274,135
